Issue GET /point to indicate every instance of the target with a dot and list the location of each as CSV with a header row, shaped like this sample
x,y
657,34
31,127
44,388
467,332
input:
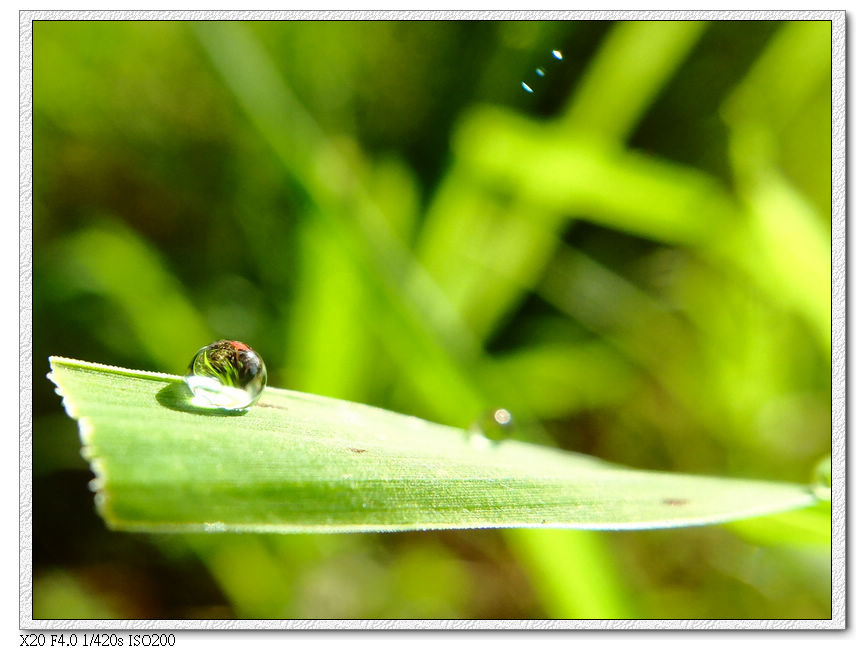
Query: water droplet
x,y
502,416
527,88
540,72
492,425
226,375
214,526
557,55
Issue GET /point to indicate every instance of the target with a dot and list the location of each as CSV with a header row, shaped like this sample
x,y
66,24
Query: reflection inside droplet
x,y
540,72
557,55
527,88
226,375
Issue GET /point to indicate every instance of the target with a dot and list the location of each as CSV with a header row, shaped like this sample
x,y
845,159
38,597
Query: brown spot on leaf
x,y
674,502
356,450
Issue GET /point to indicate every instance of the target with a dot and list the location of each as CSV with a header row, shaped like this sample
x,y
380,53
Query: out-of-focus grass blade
x,y
791,69
329,345
303,463
115,262
625,76
555,379
786,237
784,242
331,349
788,251
579,583
624,315
482,252
807,527
580,176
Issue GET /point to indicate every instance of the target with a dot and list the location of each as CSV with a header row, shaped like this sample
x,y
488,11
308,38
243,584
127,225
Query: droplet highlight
x,y
527,87
540,72
502,416
557,55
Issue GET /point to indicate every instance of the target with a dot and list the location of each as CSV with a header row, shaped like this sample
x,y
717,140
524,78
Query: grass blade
x,y
303,463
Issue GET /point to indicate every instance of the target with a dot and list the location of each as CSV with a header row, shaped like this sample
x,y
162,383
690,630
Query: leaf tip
x,y
68,405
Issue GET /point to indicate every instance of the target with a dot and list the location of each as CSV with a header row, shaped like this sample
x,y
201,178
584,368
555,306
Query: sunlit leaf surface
x,y
302,463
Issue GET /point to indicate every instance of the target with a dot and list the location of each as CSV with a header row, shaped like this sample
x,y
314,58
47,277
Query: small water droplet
x,y
214,526
226,375
527,88
493,425
557,55
502,416
540,72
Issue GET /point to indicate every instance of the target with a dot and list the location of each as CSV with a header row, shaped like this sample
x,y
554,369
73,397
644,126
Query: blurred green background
x,y
634,259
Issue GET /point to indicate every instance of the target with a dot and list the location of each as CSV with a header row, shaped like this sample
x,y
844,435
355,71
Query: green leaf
x,y
304,463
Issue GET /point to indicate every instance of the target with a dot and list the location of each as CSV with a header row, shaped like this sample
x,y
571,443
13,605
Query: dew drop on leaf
x,y
226,375
493,425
